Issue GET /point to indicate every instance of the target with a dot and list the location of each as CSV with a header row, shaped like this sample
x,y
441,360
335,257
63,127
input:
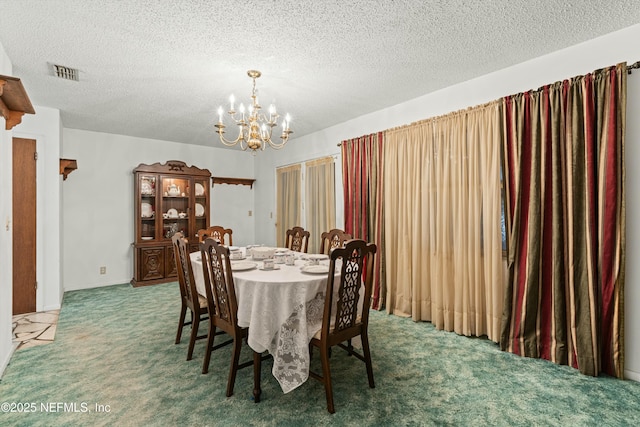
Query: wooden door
x,y
24,225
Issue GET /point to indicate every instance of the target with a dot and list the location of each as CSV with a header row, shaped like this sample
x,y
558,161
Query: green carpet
x,y
114,347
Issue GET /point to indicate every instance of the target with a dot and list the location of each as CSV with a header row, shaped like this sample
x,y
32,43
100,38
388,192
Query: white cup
x,y
268,264
290,258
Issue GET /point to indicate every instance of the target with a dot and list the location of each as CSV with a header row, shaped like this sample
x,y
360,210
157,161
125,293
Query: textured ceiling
x,y
160,68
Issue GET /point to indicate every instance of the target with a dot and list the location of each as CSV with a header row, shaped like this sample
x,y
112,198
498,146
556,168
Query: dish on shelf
x,y
147,238
199,209
146,209
315,269
243,265
199,189
173,213
146,186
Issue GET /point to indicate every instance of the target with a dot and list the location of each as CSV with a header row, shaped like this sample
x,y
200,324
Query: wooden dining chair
x,y
344,293
297,239
218,280
191,300
333,239
221,234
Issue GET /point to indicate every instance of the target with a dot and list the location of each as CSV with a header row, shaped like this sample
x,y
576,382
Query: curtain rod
x,y
630,68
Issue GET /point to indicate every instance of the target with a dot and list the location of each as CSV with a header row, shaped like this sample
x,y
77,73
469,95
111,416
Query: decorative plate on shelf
x,y
199,189
146,187
199,209
146,209
173,213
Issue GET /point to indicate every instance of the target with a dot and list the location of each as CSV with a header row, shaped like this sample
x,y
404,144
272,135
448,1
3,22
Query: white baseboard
x,y
631,375
5,363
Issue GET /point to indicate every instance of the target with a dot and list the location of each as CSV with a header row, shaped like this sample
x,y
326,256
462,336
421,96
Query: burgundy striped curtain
x,y
362,171
564,163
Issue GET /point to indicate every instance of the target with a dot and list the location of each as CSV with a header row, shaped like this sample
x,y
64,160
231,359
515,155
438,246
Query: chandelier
x,y
255,128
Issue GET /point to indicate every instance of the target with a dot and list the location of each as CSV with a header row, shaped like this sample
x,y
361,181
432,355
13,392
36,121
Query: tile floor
x,y
31,329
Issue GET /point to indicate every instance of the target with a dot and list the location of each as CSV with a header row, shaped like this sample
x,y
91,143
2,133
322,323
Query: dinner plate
x,y
146,238
199,209
173,213
315,269
146,187
275,267
243,265
319,257
199,189
147,210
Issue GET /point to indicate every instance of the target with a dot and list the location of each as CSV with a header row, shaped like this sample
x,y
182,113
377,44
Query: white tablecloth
x,y
283,310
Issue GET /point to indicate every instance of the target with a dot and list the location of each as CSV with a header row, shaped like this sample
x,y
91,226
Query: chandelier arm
x,y
227,142
277,146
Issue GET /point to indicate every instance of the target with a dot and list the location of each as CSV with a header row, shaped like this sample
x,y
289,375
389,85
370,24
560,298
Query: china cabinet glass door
x,y
147,187
175,206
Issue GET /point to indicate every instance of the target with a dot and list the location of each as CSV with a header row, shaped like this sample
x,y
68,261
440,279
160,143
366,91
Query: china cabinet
x,y
169,198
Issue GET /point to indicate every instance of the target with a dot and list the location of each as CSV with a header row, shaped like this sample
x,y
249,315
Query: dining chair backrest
x,y
297,239
356,269
186,280
223,235
218,278
333,239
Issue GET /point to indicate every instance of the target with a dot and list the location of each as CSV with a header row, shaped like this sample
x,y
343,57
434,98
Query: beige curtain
x,y
288,186
320,196
442,198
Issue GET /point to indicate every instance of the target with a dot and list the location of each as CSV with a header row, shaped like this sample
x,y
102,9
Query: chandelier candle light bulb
x,y
255,132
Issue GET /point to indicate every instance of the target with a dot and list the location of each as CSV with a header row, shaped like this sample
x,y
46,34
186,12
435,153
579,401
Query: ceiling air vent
x,y
66,73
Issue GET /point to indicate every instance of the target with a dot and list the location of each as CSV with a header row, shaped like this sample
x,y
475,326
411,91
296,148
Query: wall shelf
x,y
14,101
233,181
67,166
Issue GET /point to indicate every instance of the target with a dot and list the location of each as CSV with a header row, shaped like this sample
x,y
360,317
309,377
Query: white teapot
x,y
173,190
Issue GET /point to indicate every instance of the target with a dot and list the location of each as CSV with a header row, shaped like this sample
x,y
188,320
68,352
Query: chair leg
x,y
195,325
235,357
183,313
257,369
207,355
326,378
367,358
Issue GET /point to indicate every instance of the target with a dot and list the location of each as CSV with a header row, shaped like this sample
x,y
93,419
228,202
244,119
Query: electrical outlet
x,y
250,213
103,270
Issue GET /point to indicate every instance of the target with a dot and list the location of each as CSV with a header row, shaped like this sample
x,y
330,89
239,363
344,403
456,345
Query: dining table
x,y
282,307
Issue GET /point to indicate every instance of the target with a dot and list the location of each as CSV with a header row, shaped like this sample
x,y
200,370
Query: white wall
x,y
6,231
580,59
97,200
